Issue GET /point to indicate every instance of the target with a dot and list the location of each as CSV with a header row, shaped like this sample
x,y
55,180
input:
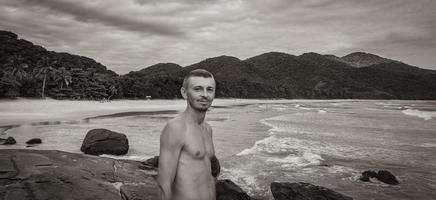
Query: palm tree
x,y
64,76
45,71
113,91
17,67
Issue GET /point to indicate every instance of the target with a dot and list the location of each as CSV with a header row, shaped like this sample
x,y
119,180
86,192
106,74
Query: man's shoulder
x,y
175,127
176,123
173,133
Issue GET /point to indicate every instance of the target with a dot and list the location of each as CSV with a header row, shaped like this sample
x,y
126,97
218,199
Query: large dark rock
x,y
103,141
366,175
227,190
8,141
34,141
304,191
382,175
215,165
42,174
387,177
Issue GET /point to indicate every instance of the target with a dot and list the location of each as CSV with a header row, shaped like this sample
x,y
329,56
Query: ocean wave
x,y
302,159
426,115
277,107
127,157
322,111
301,107
245,179
428,145
271,145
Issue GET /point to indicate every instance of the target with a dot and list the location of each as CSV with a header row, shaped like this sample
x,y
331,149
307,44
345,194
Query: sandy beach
x,y
27,111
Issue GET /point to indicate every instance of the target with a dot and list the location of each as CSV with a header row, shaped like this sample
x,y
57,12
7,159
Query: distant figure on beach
x,y
186,146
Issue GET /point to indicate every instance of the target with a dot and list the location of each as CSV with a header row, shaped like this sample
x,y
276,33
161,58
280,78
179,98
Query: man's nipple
x,y
197,153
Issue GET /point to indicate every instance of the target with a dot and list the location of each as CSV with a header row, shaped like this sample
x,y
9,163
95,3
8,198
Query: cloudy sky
x,y
132,34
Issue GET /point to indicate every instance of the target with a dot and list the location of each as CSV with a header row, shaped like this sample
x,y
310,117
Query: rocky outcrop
x,y
152,162
8,141
48,174
103,141
227,190
304,191
30,174
34,141
382,175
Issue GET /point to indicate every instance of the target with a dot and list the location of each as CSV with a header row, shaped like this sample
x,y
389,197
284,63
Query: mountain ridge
x,y
267,75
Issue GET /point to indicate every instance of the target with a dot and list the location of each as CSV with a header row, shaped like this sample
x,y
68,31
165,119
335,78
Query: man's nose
x,y
204,93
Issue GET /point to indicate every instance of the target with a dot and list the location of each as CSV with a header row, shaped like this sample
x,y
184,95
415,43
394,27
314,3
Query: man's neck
x,y
194,116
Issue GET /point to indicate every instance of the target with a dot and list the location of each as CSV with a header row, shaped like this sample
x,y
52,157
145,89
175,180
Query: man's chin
x,y
202,108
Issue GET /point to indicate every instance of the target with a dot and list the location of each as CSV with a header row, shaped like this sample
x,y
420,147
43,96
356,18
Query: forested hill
x,y
28,70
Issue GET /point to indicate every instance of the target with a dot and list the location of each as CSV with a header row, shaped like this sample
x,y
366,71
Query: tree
x,y
9,85
45,71
62,75
17,67
113,91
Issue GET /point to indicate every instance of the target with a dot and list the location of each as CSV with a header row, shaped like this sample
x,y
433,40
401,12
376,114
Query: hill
x,y
362,59
26,68
29,70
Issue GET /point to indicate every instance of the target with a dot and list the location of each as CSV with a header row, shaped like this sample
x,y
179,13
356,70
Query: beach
x,y
323,142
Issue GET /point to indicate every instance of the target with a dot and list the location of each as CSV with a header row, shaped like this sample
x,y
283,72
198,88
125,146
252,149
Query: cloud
x,y
101,14
133,34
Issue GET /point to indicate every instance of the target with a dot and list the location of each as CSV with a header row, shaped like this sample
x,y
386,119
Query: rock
x,y
9,141
139,192
366,175
387,177
382,175
34,141
48,174
304,191
103,141
227,190
215,165
152,162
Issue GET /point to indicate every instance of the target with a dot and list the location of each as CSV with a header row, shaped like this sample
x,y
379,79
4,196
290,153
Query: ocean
x,y
323,142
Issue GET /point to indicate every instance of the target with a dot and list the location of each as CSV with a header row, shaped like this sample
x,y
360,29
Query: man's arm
x,y
215,165
171,143
209,131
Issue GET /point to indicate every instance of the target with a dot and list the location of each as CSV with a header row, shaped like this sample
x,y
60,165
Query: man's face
x,y
199,92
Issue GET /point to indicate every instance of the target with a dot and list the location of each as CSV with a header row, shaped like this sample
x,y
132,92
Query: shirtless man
x,y
186,146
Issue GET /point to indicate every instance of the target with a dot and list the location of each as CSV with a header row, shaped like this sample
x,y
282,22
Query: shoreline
x,y
36,111
50,111
15,113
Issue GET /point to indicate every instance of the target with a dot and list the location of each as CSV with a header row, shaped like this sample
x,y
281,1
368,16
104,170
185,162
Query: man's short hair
x,y
196,73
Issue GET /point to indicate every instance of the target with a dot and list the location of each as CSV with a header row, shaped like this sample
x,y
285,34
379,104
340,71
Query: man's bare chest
x,y
198,143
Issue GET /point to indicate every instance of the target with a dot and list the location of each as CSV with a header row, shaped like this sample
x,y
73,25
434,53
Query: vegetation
x,y
28,70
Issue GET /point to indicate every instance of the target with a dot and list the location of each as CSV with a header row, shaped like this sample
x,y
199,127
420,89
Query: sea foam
x,y
298,160
287,151
426,115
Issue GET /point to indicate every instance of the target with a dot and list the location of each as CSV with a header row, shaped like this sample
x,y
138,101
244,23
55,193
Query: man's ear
x,y
183,92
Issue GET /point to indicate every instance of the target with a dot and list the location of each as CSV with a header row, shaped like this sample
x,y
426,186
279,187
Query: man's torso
x,y
193,177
